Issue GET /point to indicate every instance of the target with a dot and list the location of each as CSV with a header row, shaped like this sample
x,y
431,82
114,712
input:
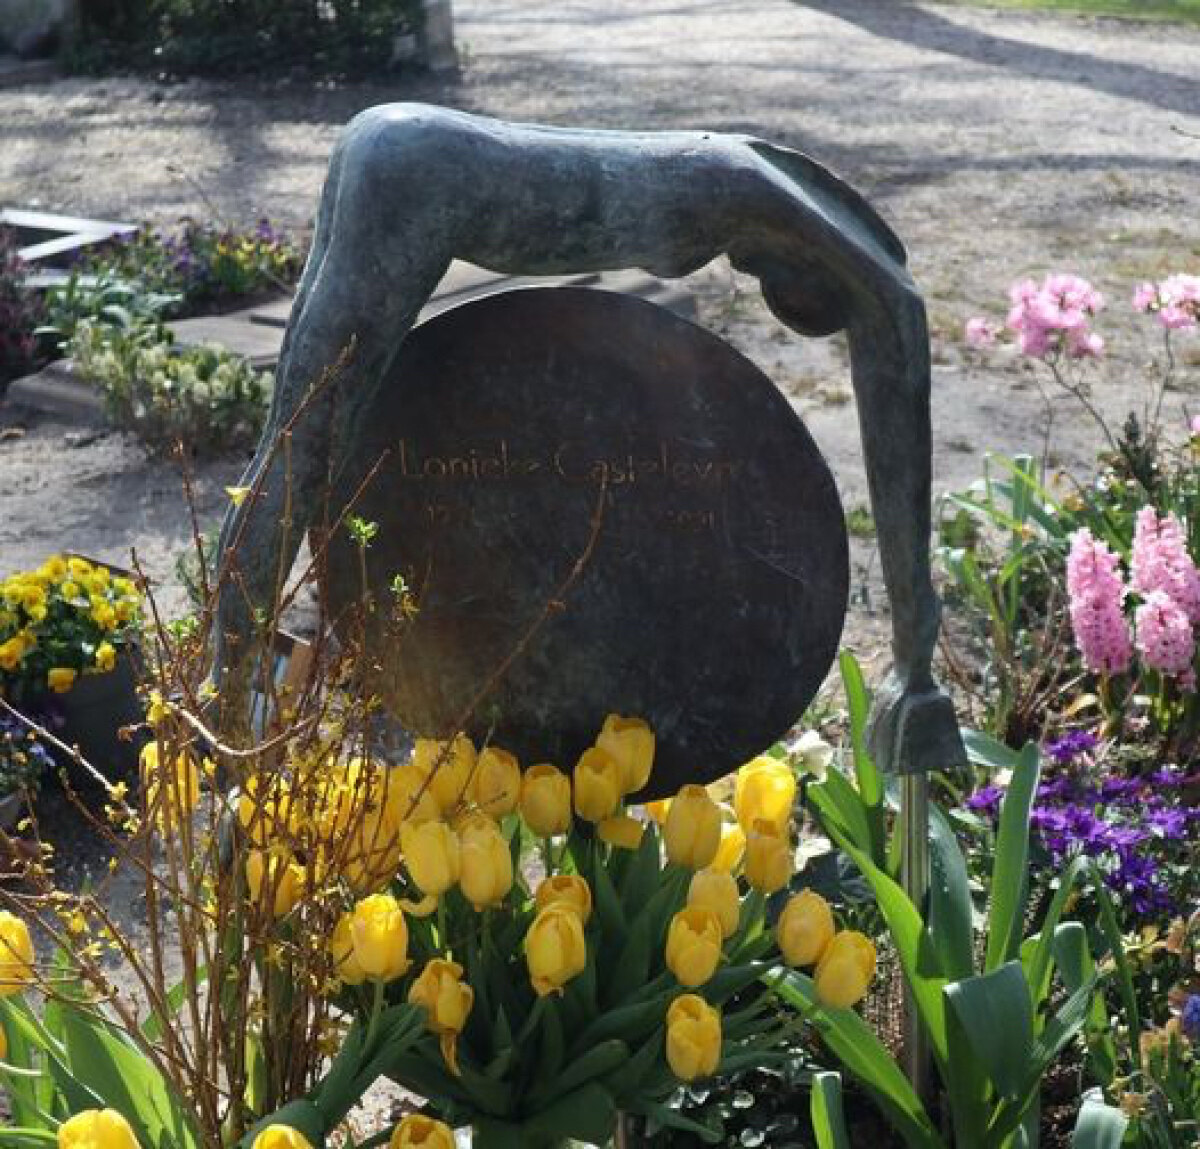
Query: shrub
x,y
339,37
20,313
205,398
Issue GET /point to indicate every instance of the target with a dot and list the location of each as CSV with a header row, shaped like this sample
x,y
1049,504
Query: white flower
x,y
814,753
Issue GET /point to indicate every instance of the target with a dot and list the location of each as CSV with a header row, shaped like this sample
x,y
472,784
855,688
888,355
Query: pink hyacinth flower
x,y
1164,635
1097,594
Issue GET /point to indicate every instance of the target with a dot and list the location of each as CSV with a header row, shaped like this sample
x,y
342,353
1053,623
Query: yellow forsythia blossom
x,y
718,891
805,928
432,855
97,1129
281,1137
485,863
568,890
768,861
555,951
417,1132
598,784
496,785
692,832
546,800
380,937
765,790
621,831
16,954
60,679
693,1037
631,742
694,945
845,970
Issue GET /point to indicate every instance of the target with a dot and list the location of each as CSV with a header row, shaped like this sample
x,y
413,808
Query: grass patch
x,y
1178,11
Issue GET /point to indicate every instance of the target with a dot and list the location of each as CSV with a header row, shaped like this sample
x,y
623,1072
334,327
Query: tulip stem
x,y
441,925
373,1023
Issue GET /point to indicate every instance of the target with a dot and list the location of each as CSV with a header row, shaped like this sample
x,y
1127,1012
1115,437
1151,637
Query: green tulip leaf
x,y
1010,871
996,1017
1099,1126
825,1109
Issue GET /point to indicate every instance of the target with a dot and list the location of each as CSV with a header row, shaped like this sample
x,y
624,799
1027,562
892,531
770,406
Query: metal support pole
x,y
914,876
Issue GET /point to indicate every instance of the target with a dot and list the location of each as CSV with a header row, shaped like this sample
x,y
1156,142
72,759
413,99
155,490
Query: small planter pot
x,y
93,712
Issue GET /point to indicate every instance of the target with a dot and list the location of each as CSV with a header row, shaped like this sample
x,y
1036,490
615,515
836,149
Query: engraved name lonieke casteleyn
x,y
668,468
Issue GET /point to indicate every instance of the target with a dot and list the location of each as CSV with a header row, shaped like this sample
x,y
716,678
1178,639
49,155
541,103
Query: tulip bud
x,y
631,742
568,890
768,862
765,790
496,786
717,891
408,795
598,785
485,862
693,829
440,992
805,928
417,1132
845,970
657,810
546,800
621,831
97,1129
693,1037
371,850
432,855
380,936
694,945
448,766
731,849
554,949
341,946
16,954
275,874
281,1137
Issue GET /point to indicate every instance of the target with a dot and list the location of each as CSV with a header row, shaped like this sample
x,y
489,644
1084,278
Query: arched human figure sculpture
x,y
411,187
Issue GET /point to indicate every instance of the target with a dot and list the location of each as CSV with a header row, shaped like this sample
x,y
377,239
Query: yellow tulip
x,y
432,855
631,742
555,951
171,793
447,1003
380,936
732,847
568,890
621,831
694,945
485,863
598,785
496,785
16,954
448,766
281,1137
417,1132
845,970
97,1129
692,832
371,853
408,797
805,928
546,800
693,1037
277,873
341,946
765,790
718,891
657,810
60,679
768,862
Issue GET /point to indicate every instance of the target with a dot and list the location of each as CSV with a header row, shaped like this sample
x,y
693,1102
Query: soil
x,y
999,144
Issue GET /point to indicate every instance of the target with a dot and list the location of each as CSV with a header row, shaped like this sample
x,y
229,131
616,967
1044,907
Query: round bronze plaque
x,y
540,430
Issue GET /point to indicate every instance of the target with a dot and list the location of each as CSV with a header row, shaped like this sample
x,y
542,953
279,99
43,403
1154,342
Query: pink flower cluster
x,y
1054,317
1097,595
1175,300
1163,574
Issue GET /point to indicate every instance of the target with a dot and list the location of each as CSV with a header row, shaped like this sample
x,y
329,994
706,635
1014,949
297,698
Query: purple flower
x,y
986,801
1190,1018
1071,745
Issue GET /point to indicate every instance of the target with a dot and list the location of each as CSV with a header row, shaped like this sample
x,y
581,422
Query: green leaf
x,y
596,1062
984,750
585,1114
865,1057
1099,1126
950,910
124,1078
870,783
825,1109
1036,952
1010,872
1111,930
670,1118
996,1017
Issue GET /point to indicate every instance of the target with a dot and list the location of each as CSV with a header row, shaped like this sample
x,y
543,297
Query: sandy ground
x,y
998,144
